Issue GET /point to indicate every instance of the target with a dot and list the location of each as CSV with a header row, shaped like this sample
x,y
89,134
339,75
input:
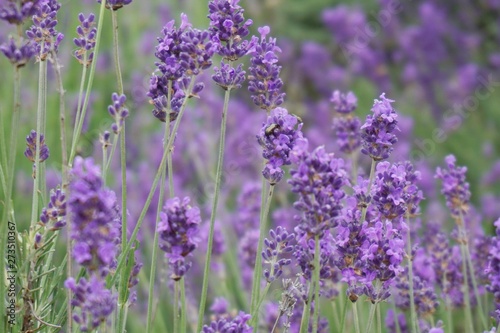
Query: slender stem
x,y
133,237
258,257
254,320
379,320
80,97
306,313
467,309
370,182
413,312
218,181
356,317
176,306
316,283
449,316
116,49
62,120
183,307
396,321
89,83
256,281
371,317
344,315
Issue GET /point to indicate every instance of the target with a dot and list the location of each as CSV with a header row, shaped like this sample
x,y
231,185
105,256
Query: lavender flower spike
x,y
86,38
55,212
344,103
178,229
276,246
118,111
493,271
278,137
345,124
18,55
16,12
30,151
455,188
116,4
238,324
377,133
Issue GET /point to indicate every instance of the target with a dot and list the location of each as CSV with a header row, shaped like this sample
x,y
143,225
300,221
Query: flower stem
x,y
344,315
379,320
176,306
183,307
258,256
306,313
466,292
316,282
356,317
413,312
370,182
218,180
371,317
116,52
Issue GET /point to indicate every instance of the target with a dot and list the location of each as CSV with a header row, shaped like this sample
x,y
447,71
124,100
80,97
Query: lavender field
x,y
227,166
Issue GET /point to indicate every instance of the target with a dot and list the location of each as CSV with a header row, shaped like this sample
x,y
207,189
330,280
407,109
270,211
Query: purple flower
x,y
178,229
30,151
237,324
392,325
304,253
43,33
493,270
93,303
229,77
116,4
264,82
455,188
277,137
15,12
248,208
426,300
18,53
377,132
86,39
55,213
276,247
228,25
95,217
318,178
348,133
344,103
118,111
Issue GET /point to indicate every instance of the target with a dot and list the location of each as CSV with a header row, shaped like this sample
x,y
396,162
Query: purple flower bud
x,y
344,103
30,151
275,247
455,188
86,39
229,77
16,13
55,212
18,54
118,111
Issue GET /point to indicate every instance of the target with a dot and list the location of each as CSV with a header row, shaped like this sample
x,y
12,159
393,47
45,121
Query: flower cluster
x,y
116,4
318,179
16,13
30,151
118,111
276,247
346,125
455,188
277,137
264,84
18,54
237,324
86,39
93,303
43,33
377,133
95,218
493,270
55,212
178,229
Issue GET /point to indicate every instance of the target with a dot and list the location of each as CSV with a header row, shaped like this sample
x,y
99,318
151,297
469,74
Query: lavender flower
x,y
237,324
276,247
455,188
278,136
344,103
348,136
229,77
318,179
264,83
16,12
93,303
305,250
118,111
30,151
86,39
55,212
116,4
95,218
392,325
377,132
19,54
178,228
43,33
493,270
426,301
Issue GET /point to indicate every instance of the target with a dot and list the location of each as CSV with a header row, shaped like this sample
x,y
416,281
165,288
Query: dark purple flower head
x,y
118,111
178,230
304,253
86,39
277,137
95,217
377,133
426,300
455,188
18,53
229,77
16,12
30,151
493,270
395,191
158,91
348,133
318,178
248,208
43,33
93,303
54,215
264,82
237,324
228,25
344,103
116,4
275,248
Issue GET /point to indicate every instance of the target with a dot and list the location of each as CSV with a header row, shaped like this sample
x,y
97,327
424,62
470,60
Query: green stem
x,y
371,317
183,307
257,276
89,83
379,320
116,49
344,315
306,313
413,312
218,180
133,237
467,309
254,320
356,317
176,306
370,182
80,97
449,316
396,321
316,283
